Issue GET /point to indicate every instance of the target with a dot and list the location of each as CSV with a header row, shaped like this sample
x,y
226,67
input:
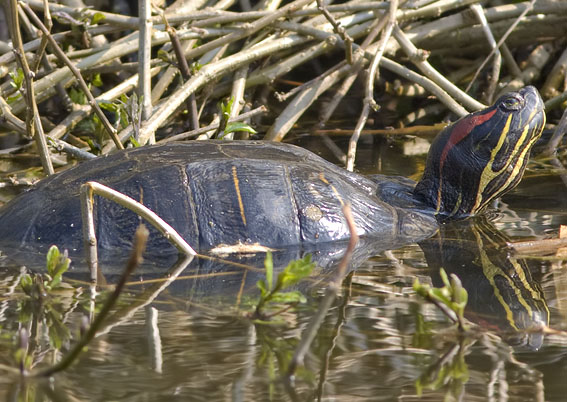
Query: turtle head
x,y
482,155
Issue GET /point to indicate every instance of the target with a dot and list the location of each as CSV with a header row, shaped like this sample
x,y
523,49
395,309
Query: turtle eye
x,y
512,103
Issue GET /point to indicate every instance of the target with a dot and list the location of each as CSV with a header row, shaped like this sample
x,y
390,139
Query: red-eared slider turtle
x,y
221,192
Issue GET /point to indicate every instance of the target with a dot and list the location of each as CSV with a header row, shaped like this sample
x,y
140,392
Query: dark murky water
x,y
378,341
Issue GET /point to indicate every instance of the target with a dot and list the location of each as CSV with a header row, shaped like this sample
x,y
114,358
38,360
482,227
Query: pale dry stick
x,y
33,121
330,294
533,66
270,73
183,67
501,41
237,95
166,78
436,9
39,55
203,19
248,29
327,41
453,23
12,121
109,18
295,109
282,97
553,144
144,58
491,89
339,30
61,54
139,245
376,28
159,37
211,72
88,190
122,47
556,77
82,111
556,101
419,59
34,44
71,150
194,133
369,101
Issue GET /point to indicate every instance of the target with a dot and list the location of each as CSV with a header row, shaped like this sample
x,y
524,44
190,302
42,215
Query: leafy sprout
x,y
274,293
451,299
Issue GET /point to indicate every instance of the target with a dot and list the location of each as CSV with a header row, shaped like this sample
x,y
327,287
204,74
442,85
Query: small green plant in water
x,y
451,299
274,293
56,265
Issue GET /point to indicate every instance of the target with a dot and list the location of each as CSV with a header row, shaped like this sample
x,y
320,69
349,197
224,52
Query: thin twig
x,y
494,78
500,42
33,122
61,54
144,58
553,144
419,59
340,30
369,101
185,73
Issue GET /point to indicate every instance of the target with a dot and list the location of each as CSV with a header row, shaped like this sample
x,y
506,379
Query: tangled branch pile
x,y
418,48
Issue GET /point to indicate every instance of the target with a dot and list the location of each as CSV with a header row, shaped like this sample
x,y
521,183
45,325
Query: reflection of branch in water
x,y
341,319
330,294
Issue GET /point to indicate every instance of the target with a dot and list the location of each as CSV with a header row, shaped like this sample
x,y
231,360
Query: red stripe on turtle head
x,y
461,130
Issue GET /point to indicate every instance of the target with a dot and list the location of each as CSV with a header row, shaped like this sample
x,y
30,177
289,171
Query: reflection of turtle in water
x,y
278,195
502,295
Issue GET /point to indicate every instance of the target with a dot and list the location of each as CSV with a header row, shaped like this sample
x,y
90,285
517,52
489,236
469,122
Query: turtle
x,y
217,192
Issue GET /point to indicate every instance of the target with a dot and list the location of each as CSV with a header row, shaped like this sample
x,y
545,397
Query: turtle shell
x,y
213,193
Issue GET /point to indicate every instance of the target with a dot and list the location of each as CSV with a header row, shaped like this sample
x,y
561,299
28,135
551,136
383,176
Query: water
x,y
378,341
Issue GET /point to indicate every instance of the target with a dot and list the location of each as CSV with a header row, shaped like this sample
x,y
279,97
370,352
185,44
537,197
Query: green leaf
x,y
294,272
135,143
239,126
78,96
163,56
97,17
263,289
269,266
17,78
26,283
97,80
52,260
288,297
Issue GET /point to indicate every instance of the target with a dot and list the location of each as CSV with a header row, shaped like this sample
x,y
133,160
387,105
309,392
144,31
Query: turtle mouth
x,y
536,119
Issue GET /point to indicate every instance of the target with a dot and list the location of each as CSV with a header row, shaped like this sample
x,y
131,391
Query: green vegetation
x,y
273,295
451,299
